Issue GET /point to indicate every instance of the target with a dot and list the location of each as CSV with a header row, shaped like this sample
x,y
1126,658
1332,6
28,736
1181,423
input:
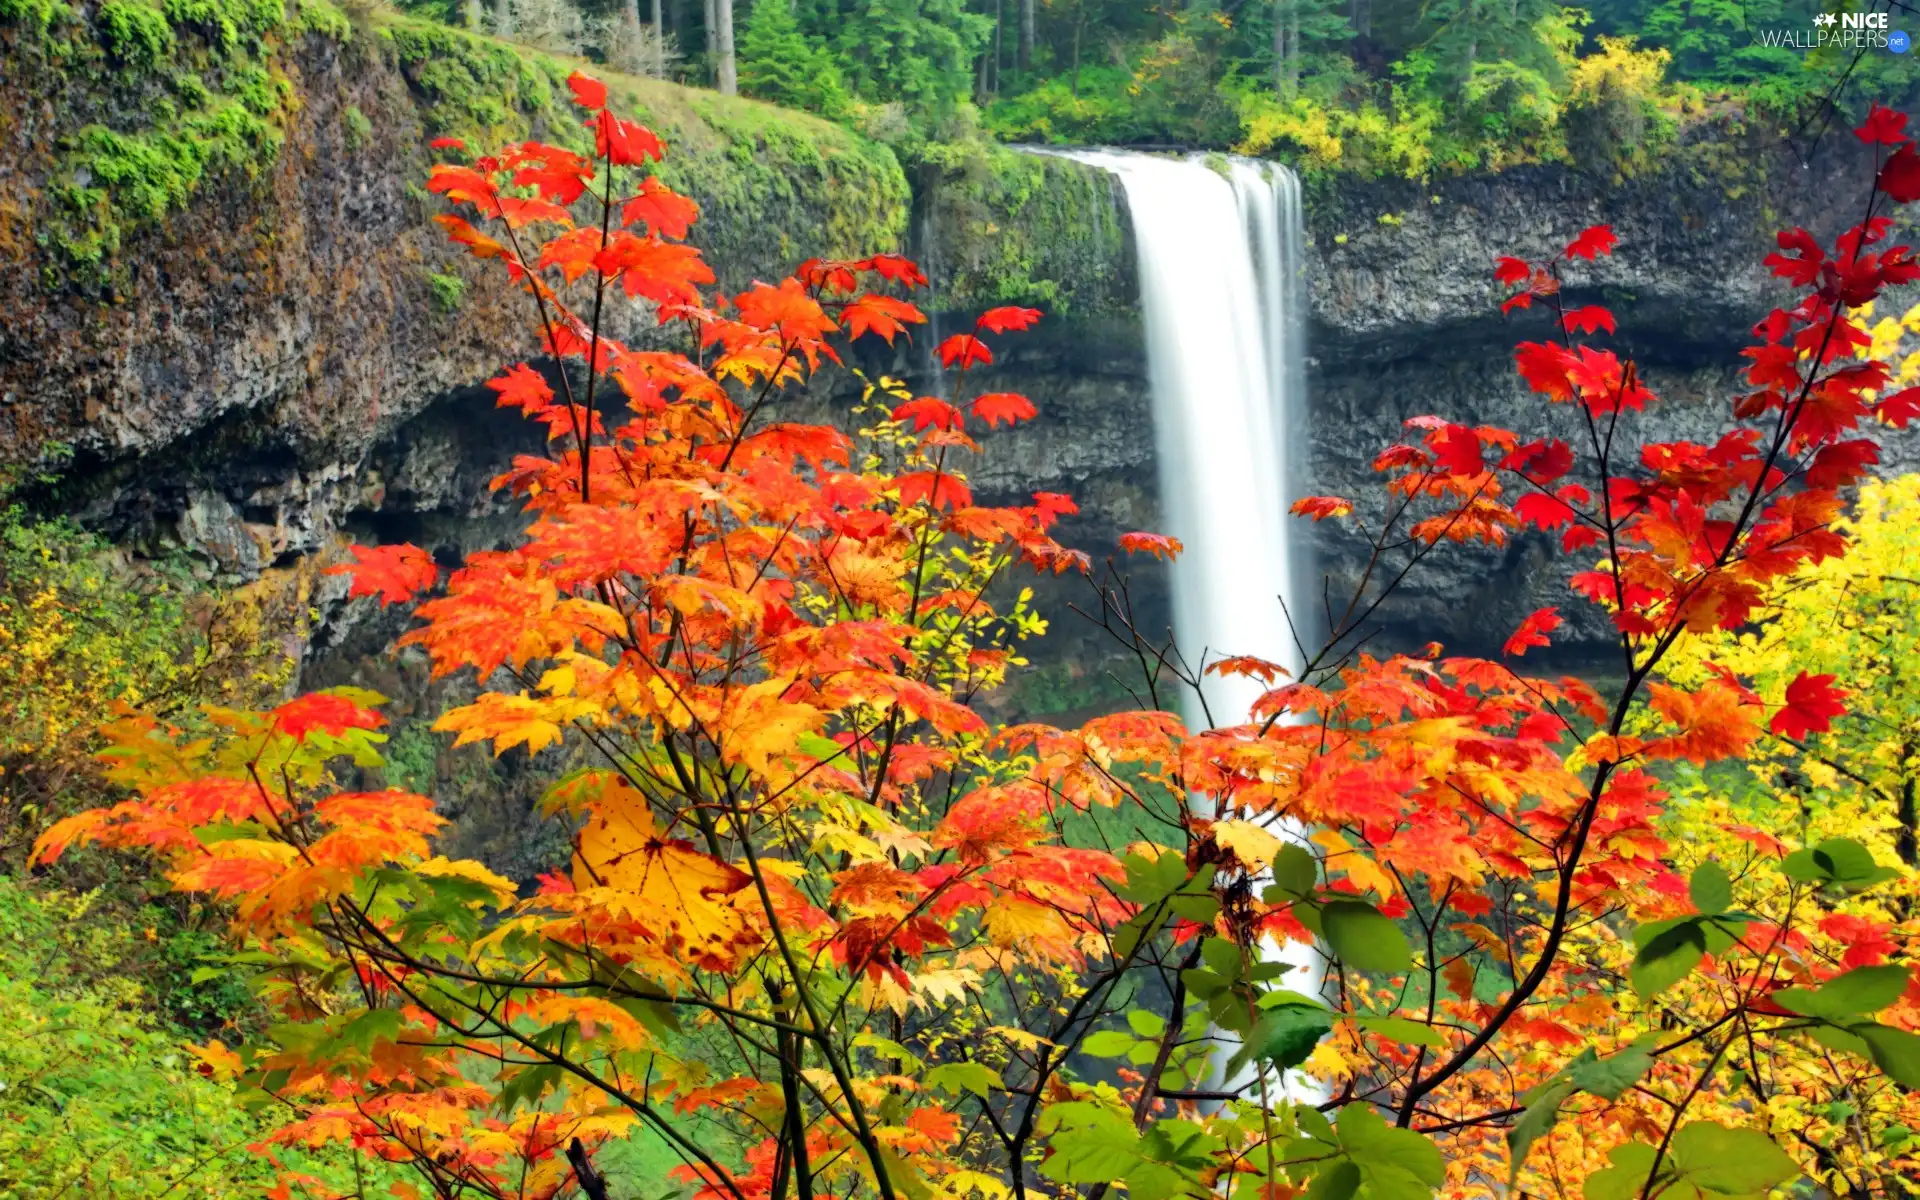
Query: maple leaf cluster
x,y
827,929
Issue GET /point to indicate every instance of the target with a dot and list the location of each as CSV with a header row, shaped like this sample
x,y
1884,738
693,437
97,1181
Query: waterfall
x,y
1220,263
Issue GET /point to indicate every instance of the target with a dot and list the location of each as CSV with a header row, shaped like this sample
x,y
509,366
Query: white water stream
x,y
1220,263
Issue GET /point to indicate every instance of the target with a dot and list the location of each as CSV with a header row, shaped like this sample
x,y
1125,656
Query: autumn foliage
x,y
826,931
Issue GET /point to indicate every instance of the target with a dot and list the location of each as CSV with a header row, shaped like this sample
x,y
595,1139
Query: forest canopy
x,y
1376,86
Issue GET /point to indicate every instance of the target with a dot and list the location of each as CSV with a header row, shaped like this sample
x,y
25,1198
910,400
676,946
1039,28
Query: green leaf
x,y
1611,1076
1090,1144
955,1078
1669,952
1150,879
1295,871
1858,992
1543,1110
1894,1051
1108,1043
1146,1024
1222,957
1733,1162
1287,1034
1403,1030
1802,867
1338,1180
1363,939
1632,1163
1846,860
1393,1162
1710,889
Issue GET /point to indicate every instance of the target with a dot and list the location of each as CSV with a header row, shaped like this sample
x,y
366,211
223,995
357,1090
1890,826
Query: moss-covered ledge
x,y
1003,226
215,211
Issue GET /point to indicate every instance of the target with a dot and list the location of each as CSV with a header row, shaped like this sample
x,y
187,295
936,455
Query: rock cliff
x,y
210,332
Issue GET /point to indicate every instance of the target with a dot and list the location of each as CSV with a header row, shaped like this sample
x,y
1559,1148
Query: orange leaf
x,y
394,573
1010,407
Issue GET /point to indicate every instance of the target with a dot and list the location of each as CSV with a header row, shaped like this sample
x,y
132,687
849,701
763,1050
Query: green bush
x,y
98,1099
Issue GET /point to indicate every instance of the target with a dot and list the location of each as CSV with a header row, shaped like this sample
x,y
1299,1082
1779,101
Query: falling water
x,y
1221,293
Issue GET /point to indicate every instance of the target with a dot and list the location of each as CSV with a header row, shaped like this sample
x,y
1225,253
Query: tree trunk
x,y
476,15
1285,47
1025,62
1907,838
634,54
659,41
1079,28
709,43
503,18
1360,14
723,38
999,42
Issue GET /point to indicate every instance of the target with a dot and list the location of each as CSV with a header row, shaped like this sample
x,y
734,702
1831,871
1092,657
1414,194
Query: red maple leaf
x,y
1533,631
1008,319
879,314
1812,704
1157,544
588,92
663,210
1900,178
1011,407
964,349
1508,269
1899,409
1321,507
624,143
1593,242
1803,266
936,487
1588,318
394,573
1541,461
898,268
929,412
327,712
1884,126
1456,450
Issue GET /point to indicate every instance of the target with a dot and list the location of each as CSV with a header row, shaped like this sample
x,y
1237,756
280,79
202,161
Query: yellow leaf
x,y
518,720
1015,922
759,727
1361,870
1251,844
685,898
444,867
1019,1037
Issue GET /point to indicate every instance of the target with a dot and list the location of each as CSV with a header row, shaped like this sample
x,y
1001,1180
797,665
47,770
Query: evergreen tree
x,y
779,62
918,53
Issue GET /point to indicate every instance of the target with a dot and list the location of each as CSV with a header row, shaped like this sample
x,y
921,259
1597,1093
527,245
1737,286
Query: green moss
x,y
1014,228
169,94
135,32
323,18
449,291
359,128
37,14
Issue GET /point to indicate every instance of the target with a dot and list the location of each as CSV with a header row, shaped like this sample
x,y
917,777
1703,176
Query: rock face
x,y
221,382
1405,321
